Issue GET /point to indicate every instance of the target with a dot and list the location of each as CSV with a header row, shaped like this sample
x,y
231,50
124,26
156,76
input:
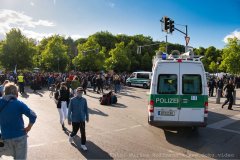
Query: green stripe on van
x,y
181,101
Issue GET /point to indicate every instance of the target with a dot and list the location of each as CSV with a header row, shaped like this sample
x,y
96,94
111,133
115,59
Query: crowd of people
x,y
67,90
225,86
97,80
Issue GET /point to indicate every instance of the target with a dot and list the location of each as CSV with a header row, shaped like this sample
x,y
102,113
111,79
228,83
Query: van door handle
x,y
185,100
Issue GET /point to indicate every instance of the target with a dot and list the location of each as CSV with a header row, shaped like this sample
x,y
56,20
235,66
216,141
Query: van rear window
x,y
143,75
167,84
192,84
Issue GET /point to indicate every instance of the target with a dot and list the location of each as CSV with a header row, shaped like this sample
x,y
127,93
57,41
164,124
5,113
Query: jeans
x,y
15,147
75,128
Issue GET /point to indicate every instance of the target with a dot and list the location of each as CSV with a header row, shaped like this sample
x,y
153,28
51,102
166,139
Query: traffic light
x,y
166,23
171,26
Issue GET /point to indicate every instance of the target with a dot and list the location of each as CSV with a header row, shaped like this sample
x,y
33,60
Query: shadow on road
x,y
93,96
213,143
94,152
119,105
38,93
97,111
25,95
127,95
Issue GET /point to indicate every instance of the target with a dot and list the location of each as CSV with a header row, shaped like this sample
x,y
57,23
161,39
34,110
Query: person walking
x,y
2,87
211,85
12,124
20,80
62,96
77,115
220,85
74,84
229,94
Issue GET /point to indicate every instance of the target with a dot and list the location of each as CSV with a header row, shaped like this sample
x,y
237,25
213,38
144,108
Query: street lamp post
x,y
217,68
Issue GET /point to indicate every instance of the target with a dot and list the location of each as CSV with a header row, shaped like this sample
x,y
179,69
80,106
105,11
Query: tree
x,y
71,51
90,57
17,50
231,56
118,61
146,62
54,57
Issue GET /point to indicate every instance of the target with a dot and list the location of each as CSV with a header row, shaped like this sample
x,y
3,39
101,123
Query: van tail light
x,y
179,60
206,108
151,106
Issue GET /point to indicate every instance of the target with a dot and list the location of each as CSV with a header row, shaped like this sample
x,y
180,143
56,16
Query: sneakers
x,y
70,139
84,147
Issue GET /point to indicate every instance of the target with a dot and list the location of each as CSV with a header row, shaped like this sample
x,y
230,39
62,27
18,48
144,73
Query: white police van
x,y
178,92
140,79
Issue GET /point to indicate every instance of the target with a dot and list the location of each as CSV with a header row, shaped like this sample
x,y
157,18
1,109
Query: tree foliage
x,y
231,57
90,56
18,50
118,61
54,56
104,51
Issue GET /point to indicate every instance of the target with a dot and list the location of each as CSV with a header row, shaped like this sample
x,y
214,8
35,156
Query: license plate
x,y
166,113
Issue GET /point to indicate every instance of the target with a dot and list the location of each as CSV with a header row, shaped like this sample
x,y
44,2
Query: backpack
x,y
114,99
105,100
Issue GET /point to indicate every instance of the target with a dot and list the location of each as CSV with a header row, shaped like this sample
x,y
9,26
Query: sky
x,y
209,22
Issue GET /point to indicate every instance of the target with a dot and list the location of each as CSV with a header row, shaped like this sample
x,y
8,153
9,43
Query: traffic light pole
x,y
168,25
166,44
186,35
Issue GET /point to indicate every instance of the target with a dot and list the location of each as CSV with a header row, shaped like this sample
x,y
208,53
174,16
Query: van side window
x,y
133,75
192,84
143,75
167,84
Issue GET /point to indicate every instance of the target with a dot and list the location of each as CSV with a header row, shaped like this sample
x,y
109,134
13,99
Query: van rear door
x,y
191,90
166,97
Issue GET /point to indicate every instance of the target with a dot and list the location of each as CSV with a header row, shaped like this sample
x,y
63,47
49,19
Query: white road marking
x,y
136,126
220,124
225,122
118,130
37,145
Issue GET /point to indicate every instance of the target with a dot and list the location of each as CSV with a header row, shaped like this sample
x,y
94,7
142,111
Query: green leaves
x,y
17,50
104,51
231,56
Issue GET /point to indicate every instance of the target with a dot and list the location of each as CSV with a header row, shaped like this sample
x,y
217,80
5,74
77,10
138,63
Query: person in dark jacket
x,y
62,96
84,84
220,85
229,94
211,85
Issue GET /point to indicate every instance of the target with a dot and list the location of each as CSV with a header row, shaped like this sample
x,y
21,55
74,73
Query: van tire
x,y
145,86
194,129
129,84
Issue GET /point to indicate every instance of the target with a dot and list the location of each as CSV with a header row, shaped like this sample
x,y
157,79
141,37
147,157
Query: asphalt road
x,y
121,131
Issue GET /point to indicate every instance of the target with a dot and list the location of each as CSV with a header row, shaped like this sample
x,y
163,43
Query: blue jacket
x,y
78,110
11,117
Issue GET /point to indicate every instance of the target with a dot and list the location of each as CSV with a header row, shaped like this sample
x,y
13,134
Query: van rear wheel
x,y
145,86
194,129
